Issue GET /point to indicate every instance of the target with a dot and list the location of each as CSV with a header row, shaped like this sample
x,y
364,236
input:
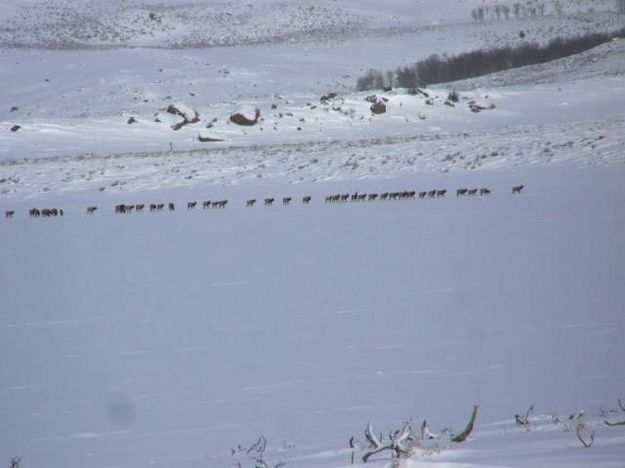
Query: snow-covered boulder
x,y
240,119
178,115
378,107
208,139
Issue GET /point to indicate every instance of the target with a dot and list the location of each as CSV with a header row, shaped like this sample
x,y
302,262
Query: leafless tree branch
x,y
578,430
462,436
617,423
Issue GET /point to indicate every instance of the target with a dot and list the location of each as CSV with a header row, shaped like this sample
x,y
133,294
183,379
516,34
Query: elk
x,y
91,209
344,197
152,206
384,196
170,205
206,204
34,212
120,208
250,202
140,207
472,192
160,206
484,191
422,194
517,189
286,200
220,203
306,199
461,192
441,193
268,201
9,213
373,196
432,193
191,205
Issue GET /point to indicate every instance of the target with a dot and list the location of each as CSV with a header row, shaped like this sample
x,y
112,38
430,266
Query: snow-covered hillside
x,y
180,335
208,23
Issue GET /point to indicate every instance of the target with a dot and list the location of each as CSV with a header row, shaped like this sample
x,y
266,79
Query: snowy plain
x,y
168,339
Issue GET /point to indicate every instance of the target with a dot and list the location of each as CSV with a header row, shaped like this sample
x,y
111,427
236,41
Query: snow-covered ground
x,y
168,339
163,339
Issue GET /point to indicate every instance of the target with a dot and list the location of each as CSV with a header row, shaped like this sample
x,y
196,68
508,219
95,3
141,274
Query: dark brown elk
x,y
250,202
268,201
91,209
220,203
171,206
384,196
432,193
461,192
362,197
422,194
441,193
160,206
34,212
206,204
373,196
306,199
472,191
152,206
354,196
484,191
517,189
345,197
139,208
120,208
286,200
191,205
9,213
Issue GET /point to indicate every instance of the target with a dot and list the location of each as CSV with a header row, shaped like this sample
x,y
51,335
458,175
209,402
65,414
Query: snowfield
x,y
179,338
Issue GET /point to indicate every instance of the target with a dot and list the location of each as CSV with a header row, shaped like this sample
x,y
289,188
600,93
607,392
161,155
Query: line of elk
x,y
334,198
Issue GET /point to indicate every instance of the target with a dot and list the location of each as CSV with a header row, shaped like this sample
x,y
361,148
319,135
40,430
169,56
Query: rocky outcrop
x,y
477,107
328,97
208,139
378,107
184,115
241,119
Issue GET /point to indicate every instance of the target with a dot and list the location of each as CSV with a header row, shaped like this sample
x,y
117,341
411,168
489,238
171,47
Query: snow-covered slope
x,y
207,23
162,339
178,338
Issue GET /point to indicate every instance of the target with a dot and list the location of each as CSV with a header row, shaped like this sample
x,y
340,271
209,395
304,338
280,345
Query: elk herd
x,y
333,198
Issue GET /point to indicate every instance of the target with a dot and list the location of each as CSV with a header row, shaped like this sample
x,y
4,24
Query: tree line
x,y
443,69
